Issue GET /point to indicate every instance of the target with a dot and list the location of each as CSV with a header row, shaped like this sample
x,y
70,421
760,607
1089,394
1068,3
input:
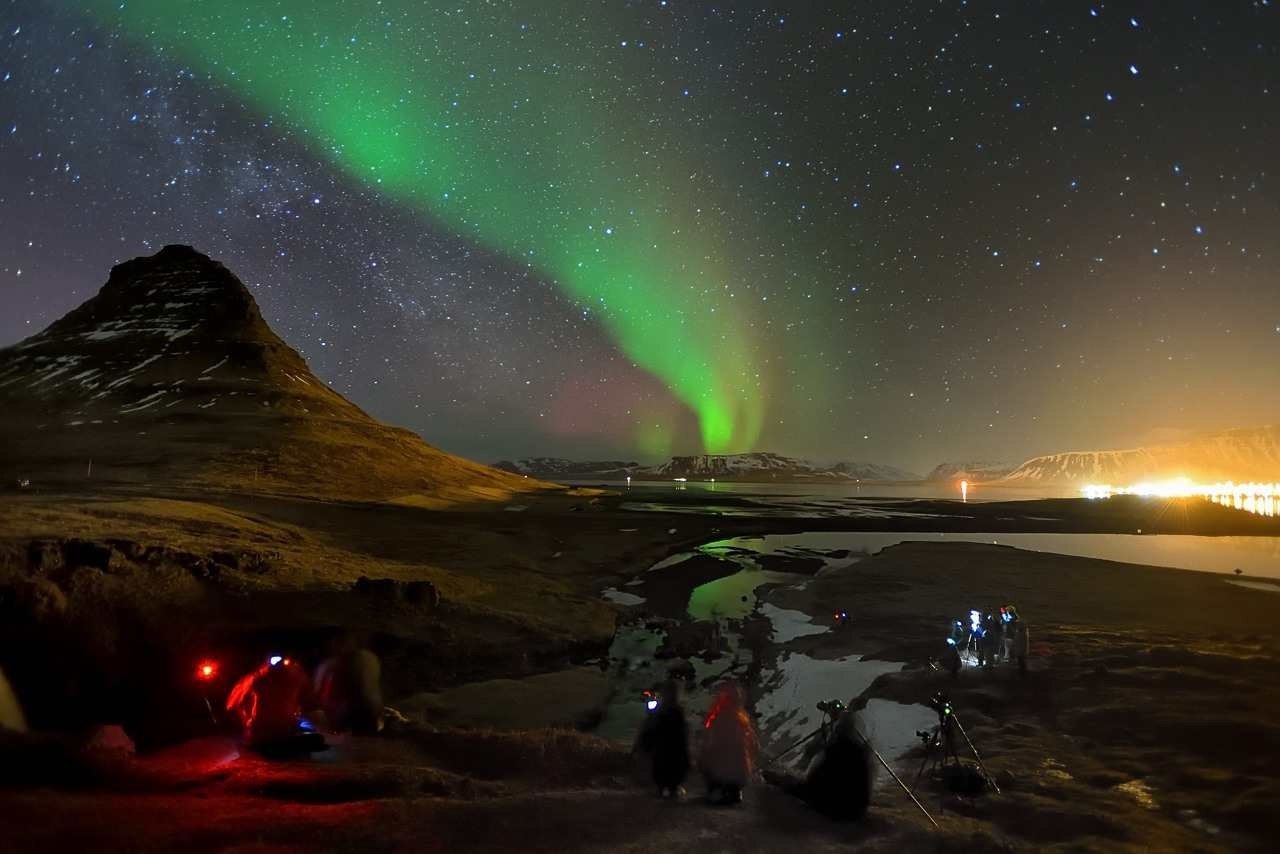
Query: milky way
x,y
891,231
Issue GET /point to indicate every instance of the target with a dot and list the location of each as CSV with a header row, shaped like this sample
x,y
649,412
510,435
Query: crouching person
x,y
839,778
728,756
269,702
348,689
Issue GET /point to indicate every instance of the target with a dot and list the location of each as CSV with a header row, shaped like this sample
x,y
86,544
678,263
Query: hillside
x,y
170,377
556,467
974,472
1251,454
766,466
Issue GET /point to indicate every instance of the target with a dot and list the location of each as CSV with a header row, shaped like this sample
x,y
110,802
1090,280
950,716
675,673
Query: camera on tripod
x,y
832,708
941,704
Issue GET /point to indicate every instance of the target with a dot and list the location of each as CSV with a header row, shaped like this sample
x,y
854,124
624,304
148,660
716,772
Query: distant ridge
x,y
754,467
974,472
556,467
169,376
1245,454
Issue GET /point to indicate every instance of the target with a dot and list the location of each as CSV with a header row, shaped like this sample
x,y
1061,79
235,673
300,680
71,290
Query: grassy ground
x,y
1147,717
1145,723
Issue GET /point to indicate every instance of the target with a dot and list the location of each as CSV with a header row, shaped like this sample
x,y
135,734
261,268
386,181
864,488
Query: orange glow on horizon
x,y
1260,498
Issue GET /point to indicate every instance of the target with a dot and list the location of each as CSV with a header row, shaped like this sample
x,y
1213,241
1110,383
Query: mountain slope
x,y
1251,454
169,376
766,466
557,467
974,472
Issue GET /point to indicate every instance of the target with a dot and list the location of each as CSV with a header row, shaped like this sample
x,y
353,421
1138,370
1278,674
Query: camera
x,y
941,704
834,708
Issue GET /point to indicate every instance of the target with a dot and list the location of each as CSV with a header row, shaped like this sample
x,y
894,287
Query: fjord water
x,y
1257,556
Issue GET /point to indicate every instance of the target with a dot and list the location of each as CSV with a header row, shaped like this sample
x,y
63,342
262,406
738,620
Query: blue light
x,y
275,660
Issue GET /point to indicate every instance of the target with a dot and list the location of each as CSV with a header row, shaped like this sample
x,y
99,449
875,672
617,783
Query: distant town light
x,y
1260,498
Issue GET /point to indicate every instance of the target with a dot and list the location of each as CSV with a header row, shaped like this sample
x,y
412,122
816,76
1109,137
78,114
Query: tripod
x,y
939,748
940,744
832,710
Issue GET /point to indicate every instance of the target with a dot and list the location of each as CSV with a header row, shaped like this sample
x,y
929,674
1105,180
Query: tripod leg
x,y
898,780
920,772
796,744
976,755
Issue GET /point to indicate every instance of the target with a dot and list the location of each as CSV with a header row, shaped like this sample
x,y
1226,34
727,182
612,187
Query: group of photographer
x,y
990,639
837,780
728,744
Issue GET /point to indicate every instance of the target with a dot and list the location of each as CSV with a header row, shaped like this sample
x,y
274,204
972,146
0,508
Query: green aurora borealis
x,y
516,137
893,231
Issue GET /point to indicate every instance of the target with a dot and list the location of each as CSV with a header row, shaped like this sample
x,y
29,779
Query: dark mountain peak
x,y
175,294
171,375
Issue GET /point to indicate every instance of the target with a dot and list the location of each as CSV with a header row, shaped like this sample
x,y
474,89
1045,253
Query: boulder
x,y
109,742
686,640
391,590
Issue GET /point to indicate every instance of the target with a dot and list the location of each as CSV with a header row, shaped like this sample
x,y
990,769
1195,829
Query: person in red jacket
x,y
729,747
269,702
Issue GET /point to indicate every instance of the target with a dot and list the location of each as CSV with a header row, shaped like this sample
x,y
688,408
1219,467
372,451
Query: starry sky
x,y
903,232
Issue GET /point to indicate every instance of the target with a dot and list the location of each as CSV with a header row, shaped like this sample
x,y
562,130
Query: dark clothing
x,y
666,739
990,641
951,660
1021,645
349,690
839,783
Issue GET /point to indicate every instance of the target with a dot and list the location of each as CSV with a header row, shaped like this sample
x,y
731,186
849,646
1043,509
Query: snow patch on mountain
x,y
974,472
1241,455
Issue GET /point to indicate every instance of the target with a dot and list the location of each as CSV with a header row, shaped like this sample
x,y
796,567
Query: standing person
x,y
1007,618
1021,644
729,749
990,640
951,659
665,739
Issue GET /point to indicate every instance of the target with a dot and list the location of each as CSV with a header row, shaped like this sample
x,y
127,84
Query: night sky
x,y
895,231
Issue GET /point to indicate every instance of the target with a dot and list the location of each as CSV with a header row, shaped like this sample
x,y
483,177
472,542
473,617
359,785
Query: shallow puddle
x,y
789,625
789,708
619,597
732,597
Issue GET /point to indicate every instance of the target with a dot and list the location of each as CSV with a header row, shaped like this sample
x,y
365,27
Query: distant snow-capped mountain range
x,y
1249,454
974,472
752,467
